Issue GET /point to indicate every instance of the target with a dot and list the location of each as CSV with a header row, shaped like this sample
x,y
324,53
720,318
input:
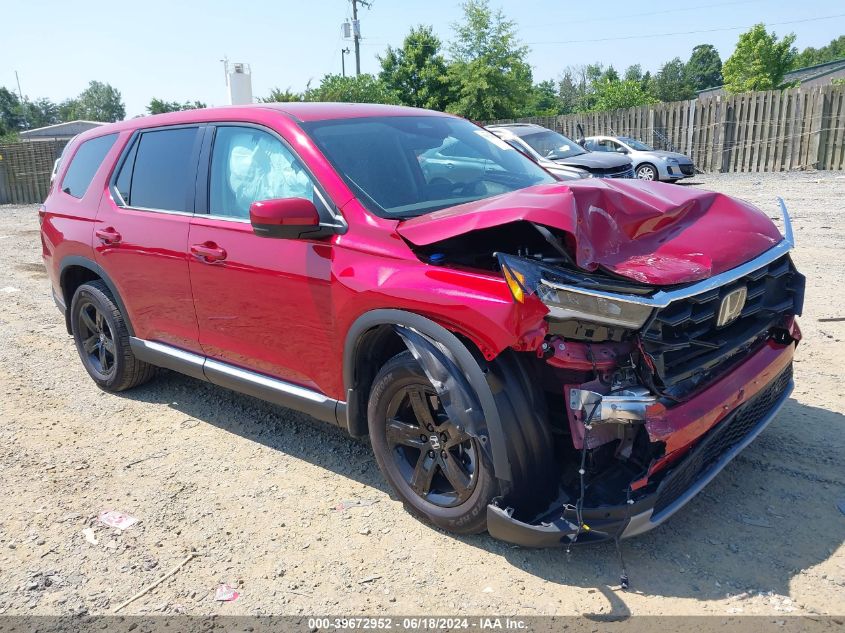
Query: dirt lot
x,y
253,489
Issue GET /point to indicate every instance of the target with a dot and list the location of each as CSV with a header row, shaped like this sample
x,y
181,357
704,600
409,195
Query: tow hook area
x,y
627,406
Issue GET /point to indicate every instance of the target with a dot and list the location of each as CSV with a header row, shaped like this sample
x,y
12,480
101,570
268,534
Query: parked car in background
x,y
55,169
554,151
57,163
649,163
451,160
548,361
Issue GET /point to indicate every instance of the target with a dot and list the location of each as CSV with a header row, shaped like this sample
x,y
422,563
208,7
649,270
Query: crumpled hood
x,y
650,232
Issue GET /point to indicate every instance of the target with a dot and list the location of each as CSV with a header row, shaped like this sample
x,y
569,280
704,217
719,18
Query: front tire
x,y
102,340
402,440
441,474
647,171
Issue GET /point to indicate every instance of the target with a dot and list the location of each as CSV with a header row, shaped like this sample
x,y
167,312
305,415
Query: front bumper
x,y
672,171
675,486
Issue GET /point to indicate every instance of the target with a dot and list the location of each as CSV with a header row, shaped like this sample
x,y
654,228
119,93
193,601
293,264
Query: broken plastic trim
x,y
449,382
628,407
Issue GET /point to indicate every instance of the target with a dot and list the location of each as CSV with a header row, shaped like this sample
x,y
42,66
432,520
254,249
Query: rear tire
x,y
102,340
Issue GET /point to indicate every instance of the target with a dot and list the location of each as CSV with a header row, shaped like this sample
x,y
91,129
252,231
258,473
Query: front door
x,y
141,234
262,304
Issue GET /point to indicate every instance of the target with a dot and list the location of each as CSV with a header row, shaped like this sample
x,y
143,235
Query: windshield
x,y
553,145
636,145
402,167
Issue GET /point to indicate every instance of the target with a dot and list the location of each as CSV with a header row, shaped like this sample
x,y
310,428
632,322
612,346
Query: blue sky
x,y
170,49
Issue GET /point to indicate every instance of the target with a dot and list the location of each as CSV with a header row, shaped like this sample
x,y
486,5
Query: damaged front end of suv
x,y
664,348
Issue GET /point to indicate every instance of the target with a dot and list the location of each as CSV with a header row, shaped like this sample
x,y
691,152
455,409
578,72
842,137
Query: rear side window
x,y
159,170
85,163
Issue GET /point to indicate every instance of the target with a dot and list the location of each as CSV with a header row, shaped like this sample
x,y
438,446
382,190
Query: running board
x,y
251,383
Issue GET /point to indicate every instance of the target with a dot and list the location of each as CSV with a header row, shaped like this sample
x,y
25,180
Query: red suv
x,y
547,361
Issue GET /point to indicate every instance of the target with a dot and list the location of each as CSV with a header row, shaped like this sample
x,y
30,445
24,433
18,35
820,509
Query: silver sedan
x,y
649,163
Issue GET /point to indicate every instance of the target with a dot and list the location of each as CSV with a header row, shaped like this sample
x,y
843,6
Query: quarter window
x,y
248,165
158,172
85,163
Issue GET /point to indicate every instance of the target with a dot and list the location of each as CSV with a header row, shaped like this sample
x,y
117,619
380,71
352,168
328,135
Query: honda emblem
x,y
731,306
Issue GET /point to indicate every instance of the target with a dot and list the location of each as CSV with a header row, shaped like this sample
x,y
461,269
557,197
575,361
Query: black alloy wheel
x,y
438,470
102,339
97,340
436,459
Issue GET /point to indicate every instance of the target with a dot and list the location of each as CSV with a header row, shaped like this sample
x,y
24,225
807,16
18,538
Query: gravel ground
x,y
253,489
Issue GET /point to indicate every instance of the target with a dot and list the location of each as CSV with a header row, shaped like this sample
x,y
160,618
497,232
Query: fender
x,y
474,373
84,262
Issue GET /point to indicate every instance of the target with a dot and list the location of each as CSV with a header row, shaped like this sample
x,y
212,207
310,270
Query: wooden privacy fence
x,y
25,170
776,130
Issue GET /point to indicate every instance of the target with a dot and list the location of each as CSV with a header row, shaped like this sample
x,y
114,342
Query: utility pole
x,y
23,103
20,92
343,53
356,32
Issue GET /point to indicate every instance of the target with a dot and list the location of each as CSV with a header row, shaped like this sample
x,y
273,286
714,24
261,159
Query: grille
x,y
626,171
688,347
719,440
687,170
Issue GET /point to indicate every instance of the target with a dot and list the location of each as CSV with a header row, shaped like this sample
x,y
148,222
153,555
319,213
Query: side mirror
x,y
290,218
622,150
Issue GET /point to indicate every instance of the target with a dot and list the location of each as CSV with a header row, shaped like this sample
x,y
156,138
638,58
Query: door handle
x,y
108,235
208,252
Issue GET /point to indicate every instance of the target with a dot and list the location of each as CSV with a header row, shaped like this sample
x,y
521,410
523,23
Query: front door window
x,y
248,165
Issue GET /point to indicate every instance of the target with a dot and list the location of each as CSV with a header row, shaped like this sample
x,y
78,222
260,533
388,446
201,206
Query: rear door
x,y
141,233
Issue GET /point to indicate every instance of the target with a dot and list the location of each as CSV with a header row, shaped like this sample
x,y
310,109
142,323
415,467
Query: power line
x,y
642,15
651,35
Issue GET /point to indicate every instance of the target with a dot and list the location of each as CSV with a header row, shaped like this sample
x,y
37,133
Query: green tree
x,y
360,89
545,100
11,113
98,102
157,106
704,68
40,113
628,93
278,95
671,82
634,73
489,76
569,93
610,74
68,110
759,61
416,72
811,56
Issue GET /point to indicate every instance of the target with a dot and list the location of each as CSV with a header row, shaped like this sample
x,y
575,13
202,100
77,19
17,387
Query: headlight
x,y
572,304
590,301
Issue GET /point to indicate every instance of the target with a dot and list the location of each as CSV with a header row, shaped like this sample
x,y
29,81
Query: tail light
x,y
42,210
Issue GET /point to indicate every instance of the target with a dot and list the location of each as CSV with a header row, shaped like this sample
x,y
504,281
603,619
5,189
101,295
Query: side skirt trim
x,y
244,381
168,357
